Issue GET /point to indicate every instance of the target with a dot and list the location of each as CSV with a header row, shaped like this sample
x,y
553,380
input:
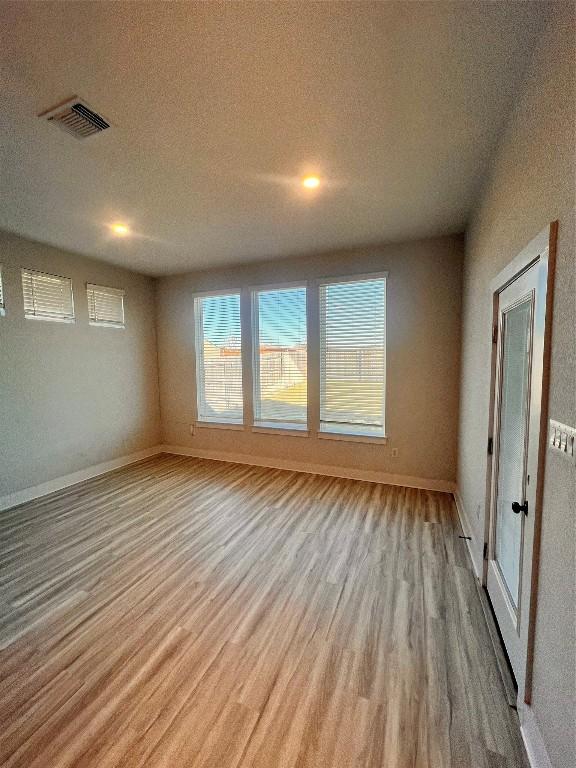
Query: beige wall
x,y
424,290
72,395
532,183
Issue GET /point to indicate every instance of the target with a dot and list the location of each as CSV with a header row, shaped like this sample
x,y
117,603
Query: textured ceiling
x,y
217,109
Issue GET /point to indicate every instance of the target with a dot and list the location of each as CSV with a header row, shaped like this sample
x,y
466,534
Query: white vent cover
x,y
75,117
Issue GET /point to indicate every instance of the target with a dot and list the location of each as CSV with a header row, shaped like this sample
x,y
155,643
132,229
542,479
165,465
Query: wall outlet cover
x,y
562,440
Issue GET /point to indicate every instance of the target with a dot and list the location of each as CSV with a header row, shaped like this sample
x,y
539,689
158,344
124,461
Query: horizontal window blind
x,y
280,356
352,356
47,296
219,358
105,305
1,293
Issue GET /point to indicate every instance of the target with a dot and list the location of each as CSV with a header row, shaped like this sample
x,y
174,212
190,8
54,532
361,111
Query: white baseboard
x,y
467,530
58,483
533,741
314,469
28,494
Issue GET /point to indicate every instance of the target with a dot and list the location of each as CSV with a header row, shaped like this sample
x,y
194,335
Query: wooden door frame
x,y
540,251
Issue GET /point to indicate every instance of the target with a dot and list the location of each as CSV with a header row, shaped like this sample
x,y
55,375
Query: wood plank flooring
x,y
190,613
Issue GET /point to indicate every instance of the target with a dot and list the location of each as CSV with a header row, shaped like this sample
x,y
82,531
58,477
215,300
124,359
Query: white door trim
x,y
540,252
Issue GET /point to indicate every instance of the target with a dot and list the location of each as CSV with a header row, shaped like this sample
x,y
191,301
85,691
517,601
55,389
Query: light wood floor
x,y
182,612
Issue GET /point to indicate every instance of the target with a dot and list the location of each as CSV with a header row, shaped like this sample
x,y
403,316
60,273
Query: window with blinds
x,y
2,307
47,297
105,306
219,358
353,356
280,357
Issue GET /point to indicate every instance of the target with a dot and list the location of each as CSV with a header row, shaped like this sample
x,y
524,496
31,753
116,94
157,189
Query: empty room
x,y
287,384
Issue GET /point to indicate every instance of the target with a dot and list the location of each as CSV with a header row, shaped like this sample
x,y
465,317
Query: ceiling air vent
x,y
75,117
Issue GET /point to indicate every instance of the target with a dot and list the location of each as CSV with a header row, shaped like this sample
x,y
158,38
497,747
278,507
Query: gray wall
x,y
532,183
423,342
73,395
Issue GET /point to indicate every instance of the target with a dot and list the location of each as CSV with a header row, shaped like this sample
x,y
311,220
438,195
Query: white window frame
x,y
295,429
94,287
249,339
216,423
352,435
69,319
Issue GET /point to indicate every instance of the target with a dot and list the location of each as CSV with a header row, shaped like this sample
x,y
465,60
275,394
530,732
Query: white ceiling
x,y
217,109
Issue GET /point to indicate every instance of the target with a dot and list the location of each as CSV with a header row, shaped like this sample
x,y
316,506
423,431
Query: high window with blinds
x,y
353,356
219,358
280,357
2,307
105,306
47,297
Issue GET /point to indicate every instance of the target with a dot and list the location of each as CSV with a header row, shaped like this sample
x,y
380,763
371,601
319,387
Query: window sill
x,y
353,438
47,319
102,324
221,425
294,430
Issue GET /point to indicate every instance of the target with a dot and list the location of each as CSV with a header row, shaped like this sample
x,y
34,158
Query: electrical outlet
x,y
192,428
478,511
395,453
562,440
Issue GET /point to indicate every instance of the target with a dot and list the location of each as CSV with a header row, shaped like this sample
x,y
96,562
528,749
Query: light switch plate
x,y
562,440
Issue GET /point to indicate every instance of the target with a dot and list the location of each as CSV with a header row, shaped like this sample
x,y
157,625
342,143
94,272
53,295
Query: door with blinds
x,y
518,434
1,293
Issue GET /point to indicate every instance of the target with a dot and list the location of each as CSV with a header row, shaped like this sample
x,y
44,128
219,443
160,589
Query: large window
x,y
353,356
280,357
348,367
47,297
219,358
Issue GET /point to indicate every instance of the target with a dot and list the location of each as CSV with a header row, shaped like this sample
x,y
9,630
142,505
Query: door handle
x,y
517,508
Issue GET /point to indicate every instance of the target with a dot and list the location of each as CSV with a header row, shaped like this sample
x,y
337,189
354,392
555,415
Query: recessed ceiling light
x,y
119,229
311,182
